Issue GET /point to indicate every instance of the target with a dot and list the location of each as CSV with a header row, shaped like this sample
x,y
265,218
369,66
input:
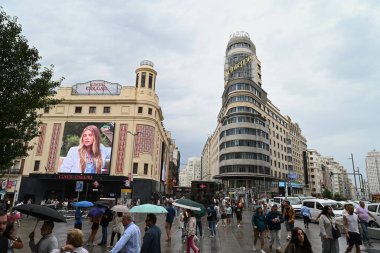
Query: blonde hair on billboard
x,y
95,150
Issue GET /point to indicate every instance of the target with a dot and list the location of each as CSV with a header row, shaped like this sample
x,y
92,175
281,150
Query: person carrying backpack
x,y
212,218
107,217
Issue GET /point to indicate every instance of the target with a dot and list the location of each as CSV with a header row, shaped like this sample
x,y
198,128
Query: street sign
x,y
79,186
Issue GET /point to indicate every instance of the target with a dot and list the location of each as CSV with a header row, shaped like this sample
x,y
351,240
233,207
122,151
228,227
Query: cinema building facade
x,y
133,154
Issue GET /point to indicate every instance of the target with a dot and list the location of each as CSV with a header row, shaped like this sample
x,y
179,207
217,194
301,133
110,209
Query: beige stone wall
x,y
124,111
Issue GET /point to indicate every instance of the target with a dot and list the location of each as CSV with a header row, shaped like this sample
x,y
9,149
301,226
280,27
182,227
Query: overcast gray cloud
x,y
319,59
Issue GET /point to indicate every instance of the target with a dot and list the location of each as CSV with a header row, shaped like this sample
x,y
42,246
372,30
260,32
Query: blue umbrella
x,y
96,212
83,204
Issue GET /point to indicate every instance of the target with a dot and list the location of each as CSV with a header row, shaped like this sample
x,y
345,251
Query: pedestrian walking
x,y
184,219
274,220
363,216
326,224
47,243
191,227
78,218
117,227
152,238
74,243
130,240
228,213
351,227
14,242
239,213
299,243
306,215
259,223
94,229
212,218
107,217
289,216
199,226
169,220
223,215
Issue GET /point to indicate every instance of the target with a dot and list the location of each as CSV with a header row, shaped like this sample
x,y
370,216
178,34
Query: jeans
x,y
275,239
104,234
212,225
199,227
113,236
190,244
364,226
289,226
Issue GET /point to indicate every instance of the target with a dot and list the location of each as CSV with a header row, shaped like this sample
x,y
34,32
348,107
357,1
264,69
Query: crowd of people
x,y
266,220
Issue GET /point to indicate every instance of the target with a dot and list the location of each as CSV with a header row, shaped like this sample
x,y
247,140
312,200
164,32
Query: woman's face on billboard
x,y
88,138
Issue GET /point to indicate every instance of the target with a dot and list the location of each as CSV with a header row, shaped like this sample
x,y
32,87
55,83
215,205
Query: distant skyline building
x,y
253,146
372,161
191,172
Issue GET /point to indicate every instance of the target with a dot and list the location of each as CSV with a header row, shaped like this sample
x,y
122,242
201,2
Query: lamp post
x,y
353,168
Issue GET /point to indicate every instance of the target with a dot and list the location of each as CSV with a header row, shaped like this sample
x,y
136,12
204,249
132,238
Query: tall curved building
x,y
253,147
244,156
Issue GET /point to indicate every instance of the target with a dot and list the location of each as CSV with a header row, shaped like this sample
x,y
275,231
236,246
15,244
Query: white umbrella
x,y
120,209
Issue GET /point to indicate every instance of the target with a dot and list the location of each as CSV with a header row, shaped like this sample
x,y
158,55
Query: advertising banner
x,y
86,147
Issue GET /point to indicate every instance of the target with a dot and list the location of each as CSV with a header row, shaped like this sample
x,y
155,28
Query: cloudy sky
x,y
319,60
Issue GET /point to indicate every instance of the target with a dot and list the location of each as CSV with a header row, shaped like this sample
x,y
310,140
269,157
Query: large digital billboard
x,y
86,147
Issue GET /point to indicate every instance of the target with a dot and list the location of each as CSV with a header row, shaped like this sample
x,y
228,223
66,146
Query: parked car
x,y
374,208
316,207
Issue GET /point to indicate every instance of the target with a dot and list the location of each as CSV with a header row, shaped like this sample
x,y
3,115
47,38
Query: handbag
x,y
335,232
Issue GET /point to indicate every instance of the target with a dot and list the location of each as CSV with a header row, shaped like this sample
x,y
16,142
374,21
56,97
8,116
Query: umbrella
x,y
197,208
120,209
83,204
102,203
96,211
148,208
40,212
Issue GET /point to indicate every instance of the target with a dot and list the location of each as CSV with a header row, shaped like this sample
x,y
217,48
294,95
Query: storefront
x,y
39,187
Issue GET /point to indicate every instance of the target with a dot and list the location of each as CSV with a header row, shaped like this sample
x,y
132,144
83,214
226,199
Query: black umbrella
x,y
102,203
40,212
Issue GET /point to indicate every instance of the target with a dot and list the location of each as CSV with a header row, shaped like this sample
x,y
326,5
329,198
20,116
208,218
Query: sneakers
x,y
254,248
238,225
262,251
288,237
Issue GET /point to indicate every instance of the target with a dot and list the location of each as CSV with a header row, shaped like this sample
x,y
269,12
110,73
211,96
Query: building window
x,y
106,109
137,79
150,111
46,110
135,168
150,84
92,109
145,169
143,76
36,165
78,109
140,109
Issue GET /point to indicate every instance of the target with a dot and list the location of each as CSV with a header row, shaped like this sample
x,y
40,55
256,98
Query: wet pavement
x,y
228,239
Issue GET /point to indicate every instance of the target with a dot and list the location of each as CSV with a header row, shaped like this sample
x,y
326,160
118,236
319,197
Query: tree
x,y
24,88
327,194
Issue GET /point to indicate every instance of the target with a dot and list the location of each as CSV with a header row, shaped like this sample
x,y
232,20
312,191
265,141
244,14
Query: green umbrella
x,y
148,208
197,208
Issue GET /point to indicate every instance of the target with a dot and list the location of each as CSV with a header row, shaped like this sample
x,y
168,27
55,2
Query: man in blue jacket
x,y
152,237
274,220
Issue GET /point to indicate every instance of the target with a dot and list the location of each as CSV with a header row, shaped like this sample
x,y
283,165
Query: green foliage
x,y
327,194
70,141
339,197
24,88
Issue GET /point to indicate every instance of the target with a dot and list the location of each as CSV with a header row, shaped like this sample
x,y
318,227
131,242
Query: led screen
x,y
86,148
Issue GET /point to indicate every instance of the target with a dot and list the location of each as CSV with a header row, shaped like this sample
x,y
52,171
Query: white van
x,y
295,202
316,207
